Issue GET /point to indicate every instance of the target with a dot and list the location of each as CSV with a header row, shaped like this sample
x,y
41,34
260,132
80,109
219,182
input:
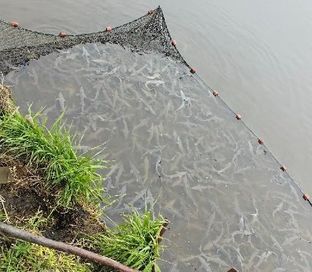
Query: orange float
x,y
306,197
14,24
238,116
62,34
109,29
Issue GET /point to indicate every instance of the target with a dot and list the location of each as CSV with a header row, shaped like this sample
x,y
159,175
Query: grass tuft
x,y
25,257
74,180
2,216
134,242
51,151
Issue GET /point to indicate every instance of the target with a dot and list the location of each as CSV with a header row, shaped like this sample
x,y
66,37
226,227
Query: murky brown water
x,y
212,169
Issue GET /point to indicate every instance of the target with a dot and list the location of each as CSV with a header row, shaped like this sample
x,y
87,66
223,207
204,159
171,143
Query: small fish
x,y
256,213
34,75
47,110
157,135
188,148
97,134
140,195
264,256
95,46
241,224
199,188
158,168
134,143
148,107
153,82
70,55
82,93
167,109
111,72
96,97
245,228
100,61
82,99
119,174
82,148
185,101
277,209
138,71
125,128
107,98
290,240
177,158
173,211
135,171
86,55
199,140
149,199
146,168
151,132
154,76
178,176
113,169
226,167
92,123
180,145
61,101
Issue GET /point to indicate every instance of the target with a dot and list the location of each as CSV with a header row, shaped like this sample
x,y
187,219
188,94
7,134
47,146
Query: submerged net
x,y
172,143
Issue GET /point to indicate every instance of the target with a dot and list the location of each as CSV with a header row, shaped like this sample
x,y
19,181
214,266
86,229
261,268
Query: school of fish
x,y
174,148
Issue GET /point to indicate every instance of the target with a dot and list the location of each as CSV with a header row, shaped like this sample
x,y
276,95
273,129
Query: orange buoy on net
x,y
306,197
150,12
283,168
109,29
174,42
215,93
260,141
14,24
62,34
193,71
238,116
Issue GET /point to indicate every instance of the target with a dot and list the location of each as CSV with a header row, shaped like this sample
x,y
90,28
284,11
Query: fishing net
x,y
149,33
173,144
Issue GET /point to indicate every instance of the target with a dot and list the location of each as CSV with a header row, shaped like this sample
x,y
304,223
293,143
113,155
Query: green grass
x,y
2,216
51,151
134,242
24,257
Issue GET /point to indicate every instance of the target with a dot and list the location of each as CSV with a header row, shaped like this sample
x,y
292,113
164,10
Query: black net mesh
x,y
148,33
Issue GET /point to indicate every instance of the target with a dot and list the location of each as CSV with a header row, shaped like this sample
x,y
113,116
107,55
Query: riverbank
x,y
53,191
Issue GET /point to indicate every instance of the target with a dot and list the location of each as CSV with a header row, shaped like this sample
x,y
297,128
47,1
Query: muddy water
x,y
177,149
258,54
